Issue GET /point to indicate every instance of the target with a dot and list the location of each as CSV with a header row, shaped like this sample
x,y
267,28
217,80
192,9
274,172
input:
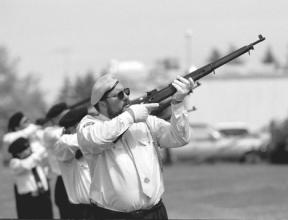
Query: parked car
x,y
209,144
254,143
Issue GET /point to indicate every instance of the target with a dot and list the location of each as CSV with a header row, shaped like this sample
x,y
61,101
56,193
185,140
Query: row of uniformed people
x,y
25,154
120,144
28,147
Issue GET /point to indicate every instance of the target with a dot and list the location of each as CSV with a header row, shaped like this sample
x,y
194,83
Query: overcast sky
x,y
57,37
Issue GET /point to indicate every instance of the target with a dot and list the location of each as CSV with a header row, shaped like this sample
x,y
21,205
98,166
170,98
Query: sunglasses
x,y
120,95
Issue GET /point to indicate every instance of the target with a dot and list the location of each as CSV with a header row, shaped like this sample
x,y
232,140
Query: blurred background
x,y
52,51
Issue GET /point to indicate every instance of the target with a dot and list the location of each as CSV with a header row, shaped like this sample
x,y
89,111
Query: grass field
x,y
218,191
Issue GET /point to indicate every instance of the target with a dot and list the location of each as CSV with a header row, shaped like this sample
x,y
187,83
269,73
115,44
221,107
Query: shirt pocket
x,y
141,135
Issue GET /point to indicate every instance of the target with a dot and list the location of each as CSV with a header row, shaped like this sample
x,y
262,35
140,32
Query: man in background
x,y
20,126
51,135
31,182
74,168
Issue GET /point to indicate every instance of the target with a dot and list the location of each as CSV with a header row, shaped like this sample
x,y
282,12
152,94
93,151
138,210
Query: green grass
x,y
216,191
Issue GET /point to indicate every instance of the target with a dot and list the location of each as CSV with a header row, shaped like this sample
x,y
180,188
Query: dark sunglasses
x,y
120,95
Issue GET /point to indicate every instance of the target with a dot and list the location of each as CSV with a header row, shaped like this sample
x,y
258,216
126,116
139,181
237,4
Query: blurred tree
x,y
163,72
269,57
215,55
17,94
79,90
65,94
169,63
83,86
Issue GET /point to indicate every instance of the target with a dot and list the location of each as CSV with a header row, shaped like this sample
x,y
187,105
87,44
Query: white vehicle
x,y
209,144
254,144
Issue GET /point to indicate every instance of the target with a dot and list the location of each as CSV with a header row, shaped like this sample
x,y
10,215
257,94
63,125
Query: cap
x,y
18,146
102,85
56,110
73,117
14,121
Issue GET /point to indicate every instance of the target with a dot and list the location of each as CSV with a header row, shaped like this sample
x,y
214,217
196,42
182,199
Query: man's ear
x,y
102,105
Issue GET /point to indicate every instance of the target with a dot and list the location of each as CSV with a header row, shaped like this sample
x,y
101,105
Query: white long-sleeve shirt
x,y
32,132
126,173
50,136
75,172
22,169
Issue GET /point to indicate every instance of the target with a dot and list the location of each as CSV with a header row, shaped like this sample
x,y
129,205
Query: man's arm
x,y
23,165
177,132
100,134
66,147
173,134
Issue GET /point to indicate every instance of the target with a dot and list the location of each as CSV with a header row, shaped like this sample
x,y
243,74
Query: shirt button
x,y
146,180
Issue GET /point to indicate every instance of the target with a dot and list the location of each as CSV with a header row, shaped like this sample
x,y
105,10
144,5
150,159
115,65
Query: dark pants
x,y
33,207
156,212
82,211
66,208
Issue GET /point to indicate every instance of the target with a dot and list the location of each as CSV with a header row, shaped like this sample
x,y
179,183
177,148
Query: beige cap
x,y
101,86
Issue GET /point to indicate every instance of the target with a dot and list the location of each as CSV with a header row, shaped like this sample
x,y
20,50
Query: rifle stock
x,y
158,96
82,102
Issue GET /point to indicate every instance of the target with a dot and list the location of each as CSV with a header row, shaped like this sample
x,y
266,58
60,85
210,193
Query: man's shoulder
x,y
52,132
68,139
87,121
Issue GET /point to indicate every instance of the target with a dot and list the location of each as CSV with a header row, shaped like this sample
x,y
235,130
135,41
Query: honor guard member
x,y
51,135
121,144
32,186
20,126
74,169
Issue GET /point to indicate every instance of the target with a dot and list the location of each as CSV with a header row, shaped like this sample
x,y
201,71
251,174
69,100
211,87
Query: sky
x,y
58,38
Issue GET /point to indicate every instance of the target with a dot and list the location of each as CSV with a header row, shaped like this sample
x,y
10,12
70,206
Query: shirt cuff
x,y
178,109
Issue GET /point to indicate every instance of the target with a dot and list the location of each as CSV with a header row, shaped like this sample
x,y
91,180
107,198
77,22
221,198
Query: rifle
x,y
156,96
163,96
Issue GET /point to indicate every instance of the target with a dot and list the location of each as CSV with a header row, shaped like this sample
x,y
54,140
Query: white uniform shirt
x,y
32,132
126,175
25,181
50,136
75,173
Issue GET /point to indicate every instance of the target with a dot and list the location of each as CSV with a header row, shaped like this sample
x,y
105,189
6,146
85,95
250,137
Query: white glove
x,y
183,87
140,112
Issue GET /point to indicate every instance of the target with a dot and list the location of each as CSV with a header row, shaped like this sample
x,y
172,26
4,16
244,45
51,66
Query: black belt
x,y
34,194
133,214
143,212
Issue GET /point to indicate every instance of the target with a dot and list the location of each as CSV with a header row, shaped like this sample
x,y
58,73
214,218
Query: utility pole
x,y
188,47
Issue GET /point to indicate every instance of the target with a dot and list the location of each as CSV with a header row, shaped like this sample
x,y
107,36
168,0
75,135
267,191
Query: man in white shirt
x,y
74,169
20,126
32,185
120,146
51,135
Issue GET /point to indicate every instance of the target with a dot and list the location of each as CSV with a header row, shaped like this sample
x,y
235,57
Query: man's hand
x,y
140,112
183,87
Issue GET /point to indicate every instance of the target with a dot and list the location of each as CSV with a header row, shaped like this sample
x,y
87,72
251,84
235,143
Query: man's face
x,y
115,101
24,154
